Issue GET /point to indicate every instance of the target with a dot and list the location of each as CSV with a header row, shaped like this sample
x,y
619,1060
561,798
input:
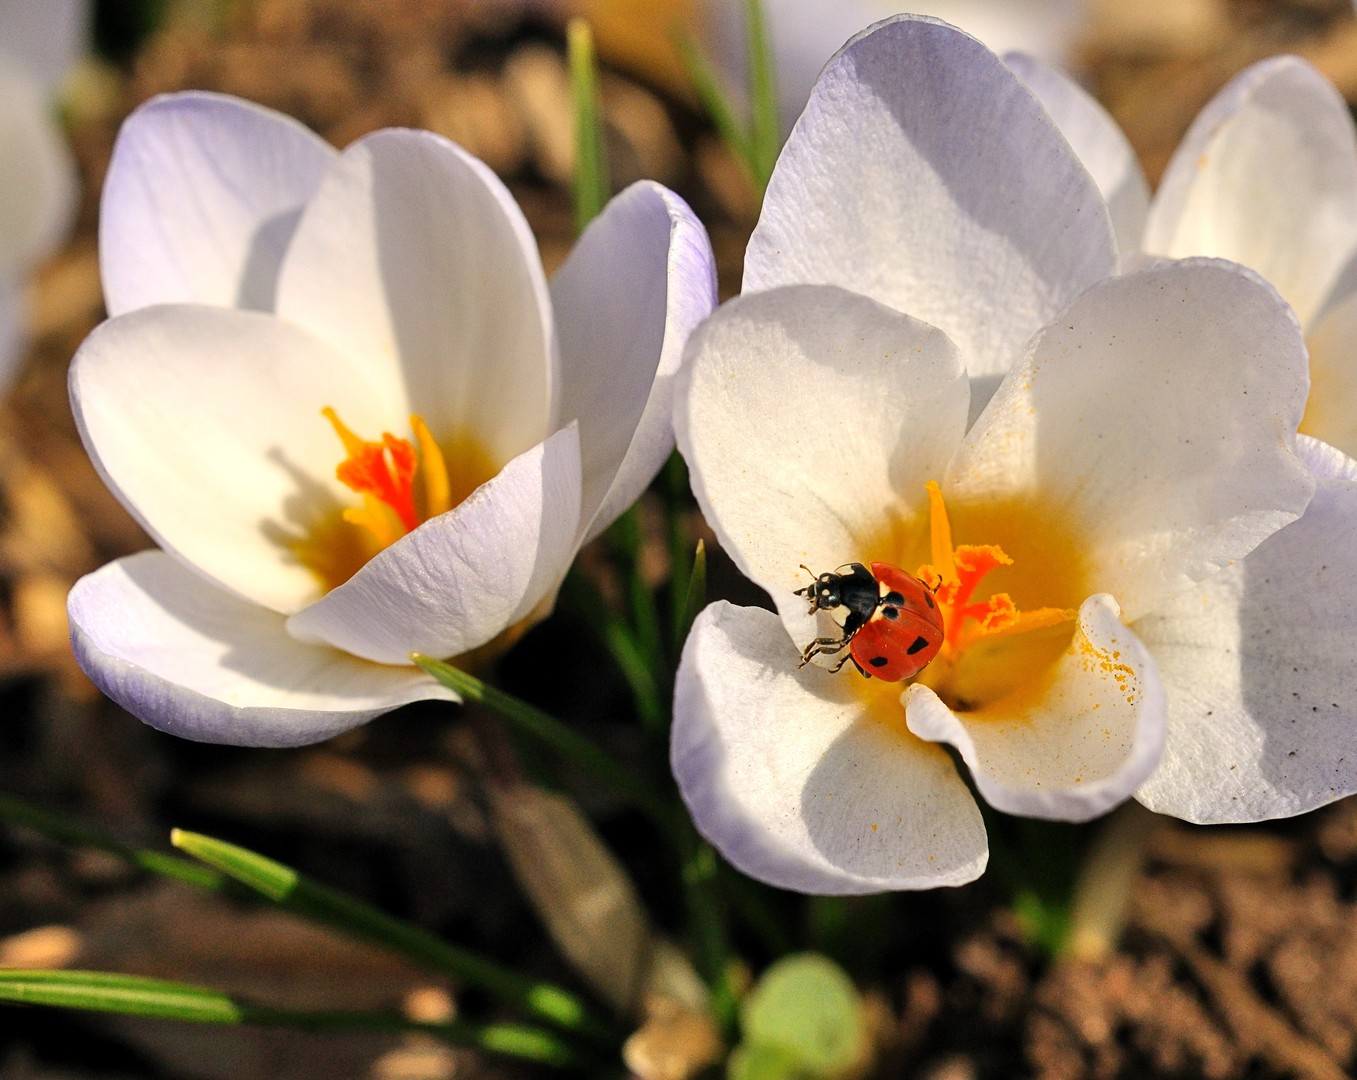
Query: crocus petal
x,y
38,186
1331,409
46,39
464,576
206,424
795,781
1266,176
809,417
201,199
1073,747
1154,421
925,175
414,260
640,279
1099,142
1258,666
194,661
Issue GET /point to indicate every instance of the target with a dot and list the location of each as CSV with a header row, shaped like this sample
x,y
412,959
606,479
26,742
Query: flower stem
x,y
707,922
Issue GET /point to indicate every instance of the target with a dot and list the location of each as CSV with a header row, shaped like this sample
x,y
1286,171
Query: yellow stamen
x,y
376,518
434,470
940,535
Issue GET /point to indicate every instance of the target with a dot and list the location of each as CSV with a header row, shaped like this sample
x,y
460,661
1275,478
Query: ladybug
x,y
892,627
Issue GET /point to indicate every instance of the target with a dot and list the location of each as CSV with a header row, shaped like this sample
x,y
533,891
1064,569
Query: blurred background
x,y
1240,955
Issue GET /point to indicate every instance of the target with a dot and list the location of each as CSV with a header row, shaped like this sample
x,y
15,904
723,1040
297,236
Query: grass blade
x,y
135,995
591,185
294,893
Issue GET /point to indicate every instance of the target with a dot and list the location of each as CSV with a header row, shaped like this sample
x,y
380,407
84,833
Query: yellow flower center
x,y
1006,617
402,483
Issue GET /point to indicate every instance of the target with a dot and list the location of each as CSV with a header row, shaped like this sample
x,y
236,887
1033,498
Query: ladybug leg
x,y
821,645
843,660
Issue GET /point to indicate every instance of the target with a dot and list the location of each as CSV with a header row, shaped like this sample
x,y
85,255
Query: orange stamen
x,y
959,570
384,471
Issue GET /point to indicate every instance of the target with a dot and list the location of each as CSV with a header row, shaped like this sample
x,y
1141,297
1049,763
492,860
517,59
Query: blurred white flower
x,y
1123,510
38,189
340,394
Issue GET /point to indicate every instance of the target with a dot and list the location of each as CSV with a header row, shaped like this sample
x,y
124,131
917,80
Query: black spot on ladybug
x,y
893,598
928,599
891,612
878,661
919,643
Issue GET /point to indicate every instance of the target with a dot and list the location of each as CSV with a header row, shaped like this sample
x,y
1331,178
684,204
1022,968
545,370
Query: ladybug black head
x,y
856,590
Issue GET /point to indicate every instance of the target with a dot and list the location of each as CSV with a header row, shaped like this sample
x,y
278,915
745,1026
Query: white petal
x,y
38,185
924,175
206,424
414,260
1153,422
811,420
202,196
640,279
1073,746
1331,408
46,38
464,576
197,662
1266,176
1099,142
795,781
1258,665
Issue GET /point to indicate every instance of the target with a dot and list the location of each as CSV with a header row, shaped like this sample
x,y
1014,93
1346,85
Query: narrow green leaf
x,y
643,633
717,104
631,659
135,995
130,995
696,595
592,185
629,783
765,127
68,831
311,900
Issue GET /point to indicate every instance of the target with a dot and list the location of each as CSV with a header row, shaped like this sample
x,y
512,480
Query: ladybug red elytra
x,y
891,624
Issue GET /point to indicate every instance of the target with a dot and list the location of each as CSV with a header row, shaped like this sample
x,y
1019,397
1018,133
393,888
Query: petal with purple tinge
x,y
194,661
800,783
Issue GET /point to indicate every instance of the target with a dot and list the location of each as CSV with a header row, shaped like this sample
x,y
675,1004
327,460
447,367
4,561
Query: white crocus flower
x,y
1127,499
1261,680
38,186
340,394
1266,176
